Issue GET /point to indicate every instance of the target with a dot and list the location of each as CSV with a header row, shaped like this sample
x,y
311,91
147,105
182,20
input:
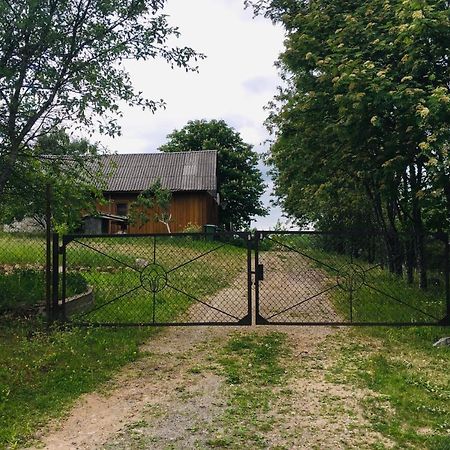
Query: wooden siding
x,y
197,208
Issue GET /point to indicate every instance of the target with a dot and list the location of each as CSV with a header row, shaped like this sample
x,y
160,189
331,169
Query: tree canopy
x,y
62,61
361,125
240,183
71,167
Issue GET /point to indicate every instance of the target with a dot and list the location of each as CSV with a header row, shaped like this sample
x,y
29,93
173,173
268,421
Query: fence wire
x,y
22,274
320,278
200,279
153,280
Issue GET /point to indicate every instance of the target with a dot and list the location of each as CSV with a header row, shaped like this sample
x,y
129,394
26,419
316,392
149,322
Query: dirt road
x,y
176,397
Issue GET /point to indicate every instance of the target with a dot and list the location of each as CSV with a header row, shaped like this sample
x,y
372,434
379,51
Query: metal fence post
x,y
259,320
48,253
54,310
249,239
62,315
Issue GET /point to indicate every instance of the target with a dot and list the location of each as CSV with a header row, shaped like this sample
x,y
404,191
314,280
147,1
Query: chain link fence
x,y
189,279
339,278
22,273
201,278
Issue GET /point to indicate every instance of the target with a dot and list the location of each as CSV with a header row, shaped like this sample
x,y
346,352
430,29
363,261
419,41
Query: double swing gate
x,y
243,278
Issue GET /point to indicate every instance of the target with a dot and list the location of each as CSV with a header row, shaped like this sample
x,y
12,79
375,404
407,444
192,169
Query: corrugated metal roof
x,y
180,171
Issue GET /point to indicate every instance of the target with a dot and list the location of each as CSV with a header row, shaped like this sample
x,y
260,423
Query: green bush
x,y
192,228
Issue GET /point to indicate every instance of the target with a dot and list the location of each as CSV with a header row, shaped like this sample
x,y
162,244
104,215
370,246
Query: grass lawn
x,y
42,374
22,248
410,376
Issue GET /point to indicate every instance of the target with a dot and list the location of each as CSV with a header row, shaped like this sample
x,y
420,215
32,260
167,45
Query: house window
x,y
122,209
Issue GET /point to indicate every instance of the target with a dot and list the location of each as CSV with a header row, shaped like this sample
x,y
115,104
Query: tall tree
x,y
62,60
240,183
366,107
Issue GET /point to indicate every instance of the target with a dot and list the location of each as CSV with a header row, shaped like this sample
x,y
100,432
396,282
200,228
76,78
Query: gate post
x,y
54,310
259,320
48,253
249,239
62,314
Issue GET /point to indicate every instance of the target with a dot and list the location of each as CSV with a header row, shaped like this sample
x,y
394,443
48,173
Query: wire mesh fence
x,y
22,274
195,279
157,279
338,278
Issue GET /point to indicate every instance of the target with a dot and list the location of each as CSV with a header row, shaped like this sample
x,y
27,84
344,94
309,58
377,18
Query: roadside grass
x,y
42,374
252,365
24,288
410,377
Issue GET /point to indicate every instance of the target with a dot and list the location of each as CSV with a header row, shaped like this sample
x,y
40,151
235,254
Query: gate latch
x,y
260,272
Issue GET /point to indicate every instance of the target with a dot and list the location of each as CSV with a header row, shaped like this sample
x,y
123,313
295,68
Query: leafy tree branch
x,y
62,61
155,200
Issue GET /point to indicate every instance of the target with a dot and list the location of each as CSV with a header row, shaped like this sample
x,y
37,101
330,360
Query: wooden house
x,y
190,176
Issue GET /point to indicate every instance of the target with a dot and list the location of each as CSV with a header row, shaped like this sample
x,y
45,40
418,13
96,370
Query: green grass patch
x,y
167,250
389,298
253,368
410,377
42,374
22,248
23,288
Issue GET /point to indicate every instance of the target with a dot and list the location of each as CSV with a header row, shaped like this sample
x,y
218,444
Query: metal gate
x,y
298,278
315,278
177,279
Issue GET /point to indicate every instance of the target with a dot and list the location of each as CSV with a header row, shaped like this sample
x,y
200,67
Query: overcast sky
x,y
234,83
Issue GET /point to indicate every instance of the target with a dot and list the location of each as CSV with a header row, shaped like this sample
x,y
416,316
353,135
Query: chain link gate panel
x,y
299,278
315,278
176,279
